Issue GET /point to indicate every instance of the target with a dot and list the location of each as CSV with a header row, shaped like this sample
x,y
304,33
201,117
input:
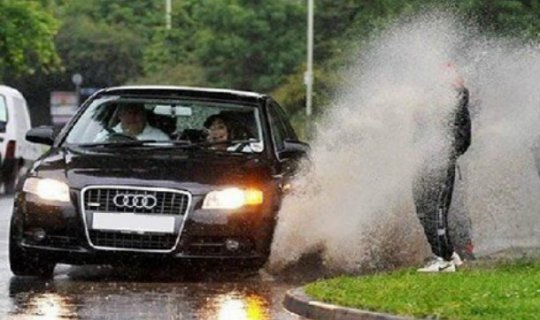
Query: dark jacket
x,y
462,124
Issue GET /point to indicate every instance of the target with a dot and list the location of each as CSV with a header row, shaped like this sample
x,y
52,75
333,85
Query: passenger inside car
x,y
222,128
242,123
219,130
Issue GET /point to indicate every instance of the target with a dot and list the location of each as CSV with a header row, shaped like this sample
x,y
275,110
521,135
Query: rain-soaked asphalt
x,y
93,292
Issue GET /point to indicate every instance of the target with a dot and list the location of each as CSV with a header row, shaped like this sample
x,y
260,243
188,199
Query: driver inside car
x,y
132,124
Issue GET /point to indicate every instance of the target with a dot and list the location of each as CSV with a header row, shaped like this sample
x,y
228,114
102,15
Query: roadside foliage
x,y
26,38
250,45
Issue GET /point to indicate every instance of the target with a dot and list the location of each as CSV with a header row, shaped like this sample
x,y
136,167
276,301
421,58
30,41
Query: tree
x,y
105,40
340,29
249,44
517,18
105,55
169,48
26,37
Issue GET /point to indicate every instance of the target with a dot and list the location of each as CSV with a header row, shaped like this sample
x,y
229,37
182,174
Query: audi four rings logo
x,y
135,201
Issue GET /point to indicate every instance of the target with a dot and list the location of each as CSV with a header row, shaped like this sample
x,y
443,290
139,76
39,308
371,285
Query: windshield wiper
x,y
198,145
184,144
238,144
119,144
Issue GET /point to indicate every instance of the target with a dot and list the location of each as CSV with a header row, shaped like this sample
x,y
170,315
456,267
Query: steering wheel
x,y
119,137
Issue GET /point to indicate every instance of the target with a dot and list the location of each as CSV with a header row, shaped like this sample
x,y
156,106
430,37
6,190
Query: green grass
x,y
501,291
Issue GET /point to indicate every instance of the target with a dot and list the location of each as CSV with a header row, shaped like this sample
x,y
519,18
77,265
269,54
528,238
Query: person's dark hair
x,y
131,106
208,122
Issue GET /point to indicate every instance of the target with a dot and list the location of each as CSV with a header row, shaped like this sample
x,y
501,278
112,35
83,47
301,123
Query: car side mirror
x,y
3,125
294,149
41,134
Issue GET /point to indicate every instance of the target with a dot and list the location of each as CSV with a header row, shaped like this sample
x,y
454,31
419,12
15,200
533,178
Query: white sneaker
x,y
438,264
456,259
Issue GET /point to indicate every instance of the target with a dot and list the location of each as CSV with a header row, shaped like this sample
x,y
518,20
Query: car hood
x,y
174,168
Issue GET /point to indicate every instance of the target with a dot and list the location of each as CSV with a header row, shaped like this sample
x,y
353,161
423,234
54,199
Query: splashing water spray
x,y
352,204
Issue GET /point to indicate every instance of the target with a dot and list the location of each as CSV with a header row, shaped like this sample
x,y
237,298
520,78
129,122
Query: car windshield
x,y
121,121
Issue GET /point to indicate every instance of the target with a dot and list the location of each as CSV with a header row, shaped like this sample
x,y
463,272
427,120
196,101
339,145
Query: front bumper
x,y
224,237
84,257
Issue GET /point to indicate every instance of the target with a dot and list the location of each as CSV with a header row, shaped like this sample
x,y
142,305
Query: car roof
x,y
181,91
10,91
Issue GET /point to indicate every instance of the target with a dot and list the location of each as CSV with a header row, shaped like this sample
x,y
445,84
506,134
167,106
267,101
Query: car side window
x,y
287,126
278,126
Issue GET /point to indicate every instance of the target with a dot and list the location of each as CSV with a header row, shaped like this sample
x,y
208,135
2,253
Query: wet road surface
x,y
94,292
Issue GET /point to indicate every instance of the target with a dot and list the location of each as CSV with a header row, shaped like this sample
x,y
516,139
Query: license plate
x,y
132,222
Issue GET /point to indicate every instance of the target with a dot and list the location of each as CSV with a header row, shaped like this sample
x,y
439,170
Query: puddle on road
x,y
104,293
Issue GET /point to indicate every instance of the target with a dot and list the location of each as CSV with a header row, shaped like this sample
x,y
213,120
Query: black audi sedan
x,y
156,173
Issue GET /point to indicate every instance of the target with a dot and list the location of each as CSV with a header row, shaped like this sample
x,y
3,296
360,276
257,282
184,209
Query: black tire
x,y
9,185
23,264
12,173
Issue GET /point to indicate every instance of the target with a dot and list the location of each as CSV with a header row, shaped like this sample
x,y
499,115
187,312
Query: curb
x,y
297,302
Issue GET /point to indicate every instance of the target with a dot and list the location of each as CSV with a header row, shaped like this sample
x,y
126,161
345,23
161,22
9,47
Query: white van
x,y
16,154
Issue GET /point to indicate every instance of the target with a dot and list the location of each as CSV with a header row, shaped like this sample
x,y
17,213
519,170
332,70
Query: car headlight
x,y
232,198
47,189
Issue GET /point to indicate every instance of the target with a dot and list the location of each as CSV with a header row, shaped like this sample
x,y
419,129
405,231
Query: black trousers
x,y
432,192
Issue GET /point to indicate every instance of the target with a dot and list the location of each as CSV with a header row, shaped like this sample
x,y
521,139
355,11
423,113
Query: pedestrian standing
x,y
433,188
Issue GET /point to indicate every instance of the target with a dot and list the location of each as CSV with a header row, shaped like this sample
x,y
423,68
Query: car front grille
x,y
103,199
133,241
167,202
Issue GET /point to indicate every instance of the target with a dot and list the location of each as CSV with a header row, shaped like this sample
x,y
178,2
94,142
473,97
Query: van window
x,y
3,109
3,113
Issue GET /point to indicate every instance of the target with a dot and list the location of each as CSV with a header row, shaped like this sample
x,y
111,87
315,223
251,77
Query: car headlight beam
x,y
47,189
232,198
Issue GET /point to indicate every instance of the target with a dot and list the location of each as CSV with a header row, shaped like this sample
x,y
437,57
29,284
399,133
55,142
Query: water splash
x,y
353,203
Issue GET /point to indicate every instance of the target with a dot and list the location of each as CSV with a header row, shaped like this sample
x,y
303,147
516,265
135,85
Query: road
x,y
101,292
